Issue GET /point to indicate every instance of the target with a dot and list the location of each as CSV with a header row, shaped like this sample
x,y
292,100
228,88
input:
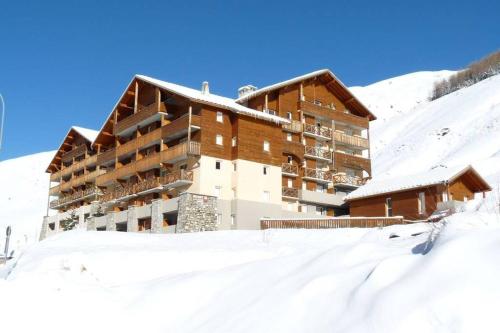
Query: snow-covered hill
x,y
415,135
23,197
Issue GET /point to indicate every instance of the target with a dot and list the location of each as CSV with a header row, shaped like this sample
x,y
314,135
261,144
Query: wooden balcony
x,y
68,156
320,133
106,156
143,113
294,126
351,140
288,169
171,155
317,153
341,179
137,143
353,161
76,181
317,175
148,185
329,113
179,127
294,148
77,196
289,192
89,161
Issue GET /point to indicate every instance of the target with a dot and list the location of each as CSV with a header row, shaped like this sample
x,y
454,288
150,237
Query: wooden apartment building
x,y
295,148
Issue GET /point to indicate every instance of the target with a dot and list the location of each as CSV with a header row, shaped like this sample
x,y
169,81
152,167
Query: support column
x,y
156,217
81,217
45,228
132,222
196,213
110,221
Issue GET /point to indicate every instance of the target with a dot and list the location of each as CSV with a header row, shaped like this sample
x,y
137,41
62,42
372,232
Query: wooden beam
x,y
136,99
130,93
125,106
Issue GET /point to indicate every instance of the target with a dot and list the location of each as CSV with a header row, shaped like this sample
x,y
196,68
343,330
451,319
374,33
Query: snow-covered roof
x,y
215,100
87,133
436,176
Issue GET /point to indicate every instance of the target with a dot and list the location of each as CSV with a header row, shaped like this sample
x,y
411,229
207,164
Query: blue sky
x,y
65,63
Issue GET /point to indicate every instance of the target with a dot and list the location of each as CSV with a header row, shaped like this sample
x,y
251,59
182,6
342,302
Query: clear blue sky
x,y
65,63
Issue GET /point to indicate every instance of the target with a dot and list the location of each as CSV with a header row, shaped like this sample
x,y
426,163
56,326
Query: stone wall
x,y
196,213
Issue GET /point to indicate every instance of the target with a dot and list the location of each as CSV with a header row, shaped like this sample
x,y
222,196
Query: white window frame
x,y
421,203
288,136
219,140
220,117
233,141
266,146
388,210
266,196
289,183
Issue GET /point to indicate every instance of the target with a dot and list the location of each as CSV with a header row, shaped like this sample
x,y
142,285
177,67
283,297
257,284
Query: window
x,y
219,219
270,111
266,145
388,207
289,159
304,185
289,206
217,165
289,115
233,141
317,102
234,166
217,191
218,139
266,196
320,210
445,196
290,183
183,167
233,219
421,203
288,136
265,170
220,119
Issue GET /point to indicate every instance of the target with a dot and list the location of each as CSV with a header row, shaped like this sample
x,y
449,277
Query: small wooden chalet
x,y
417,197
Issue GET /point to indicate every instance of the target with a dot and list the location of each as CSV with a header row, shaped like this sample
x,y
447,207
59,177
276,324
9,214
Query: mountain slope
x,y
23,197
457,129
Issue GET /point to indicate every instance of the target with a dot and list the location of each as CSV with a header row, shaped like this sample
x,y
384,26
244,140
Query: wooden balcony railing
x,y
318,174
331,223
329,113
355,161
289,169
89,161
289,192
294,126
179,177
323,131
179,126
106,156
80,150
138,143
317,152
171,155
77,196
343,179
77,181
143,113
352,140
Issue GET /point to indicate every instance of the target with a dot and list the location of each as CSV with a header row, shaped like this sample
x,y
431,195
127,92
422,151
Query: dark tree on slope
x,y
475,72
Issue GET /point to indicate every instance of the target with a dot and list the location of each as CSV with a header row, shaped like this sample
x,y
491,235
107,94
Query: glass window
x,y
265,170
218,139
233,142
288,136
220,118
266,145
290,182
421,203
217,165
388,207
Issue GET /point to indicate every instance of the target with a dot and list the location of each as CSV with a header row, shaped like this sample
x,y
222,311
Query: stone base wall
x,y
196,213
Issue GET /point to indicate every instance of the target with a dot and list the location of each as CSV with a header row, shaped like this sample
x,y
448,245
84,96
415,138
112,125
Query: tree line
x,y
475,72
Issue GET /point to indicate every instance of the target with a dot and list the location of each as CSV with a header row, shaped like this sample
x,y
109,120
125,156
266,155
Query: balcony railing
x,y
294,126
289,192
322,176
89,161
352,140
317,153
81,180
354,161
318,131
77,196
289,169
178,178
80,150
106,156
329,113
171,155
343,179
143,113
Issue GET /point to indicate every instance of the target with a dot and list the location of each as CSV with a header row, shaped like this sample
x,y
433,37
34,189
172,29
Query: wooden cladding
x,y
68,156
331,223
143,113
89,161
329,113
106,156
351,140
294,148
171,155
352,161
139,142
76,181
295,126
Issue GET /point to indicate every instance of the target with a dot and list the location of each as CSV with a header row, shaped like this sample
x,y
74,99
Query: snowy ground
x,y
430,279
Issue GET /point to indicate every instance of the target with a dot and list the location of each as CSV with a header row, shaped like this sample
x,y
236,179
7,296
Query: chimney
x,y
205,90
245,90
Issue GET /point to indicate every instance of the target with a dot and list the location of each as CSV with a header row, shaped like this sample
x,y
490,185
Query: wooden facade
x,y
156,134
419,203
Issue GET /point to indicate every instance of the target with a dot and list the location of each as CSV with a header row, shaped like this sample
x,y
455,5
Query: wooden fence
x,y
331,223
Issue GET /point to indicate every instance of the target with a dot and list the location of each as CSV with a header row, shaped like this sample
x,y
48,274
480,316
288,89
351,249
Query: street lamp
x,y
2,120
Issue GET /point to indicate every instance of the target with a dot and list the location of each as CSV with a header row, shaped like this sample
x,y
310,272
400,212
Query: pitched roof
x,y
429,178
285,83
212,99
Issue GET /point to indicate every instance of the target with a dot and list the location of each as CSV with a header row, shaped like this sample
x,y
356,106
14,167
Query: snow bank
x,y
345,280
